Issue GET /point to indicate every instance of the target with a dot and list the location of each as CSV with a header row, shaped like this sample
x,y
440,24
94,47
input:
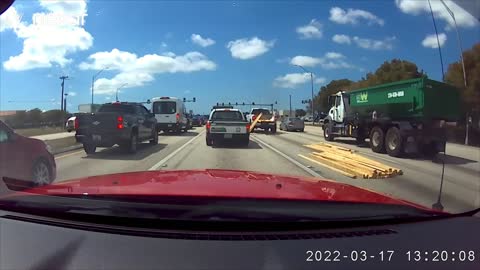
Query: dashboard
x,y
28,242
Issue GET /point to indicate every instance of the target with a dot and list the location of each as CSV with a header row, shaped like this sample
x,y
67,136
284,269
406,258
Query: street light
x,y
119,89
463,63
311,80
94,78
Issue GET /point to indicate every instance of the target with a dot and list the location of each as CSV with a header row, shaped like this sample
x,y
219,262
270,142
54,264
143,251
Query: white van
x,y
170,113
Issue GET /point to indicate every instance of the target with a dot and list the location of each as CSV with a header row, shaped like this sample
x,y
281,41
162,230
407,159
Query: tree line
x,y
36,118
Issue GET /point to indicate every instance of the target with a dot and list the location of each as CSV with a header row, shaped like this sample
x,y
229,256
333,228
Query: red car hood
x,y
218,183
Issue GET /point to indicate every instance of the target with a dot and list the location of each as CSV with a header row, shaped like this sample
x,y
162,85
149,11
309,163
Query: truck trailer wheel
x,y
377,140
327,133
394,142
89,148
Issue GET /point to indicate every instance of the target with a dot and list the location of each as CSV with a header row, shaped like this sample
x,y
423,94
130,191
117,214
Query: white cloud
x,y
306,61
313,30
341,39
46,44
199,40
374,44
137,71
249,48
417,7
11,19
334,55
291,80
430,41
353,16
331,60
72,94
320,80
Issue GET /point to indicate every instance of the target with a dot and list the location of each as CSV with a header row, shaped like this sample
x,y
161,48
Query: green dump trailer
x,y
407,116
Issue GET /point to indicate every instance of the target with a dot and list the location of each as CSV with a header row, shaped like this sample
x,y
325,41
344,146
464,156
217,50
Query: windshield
x,y
226,115
363,102
116,108
164,107
260,111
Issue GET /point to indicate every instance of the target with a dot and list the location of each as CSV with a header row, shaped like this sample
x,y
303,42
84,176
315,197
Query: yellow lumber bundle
x,y
347,162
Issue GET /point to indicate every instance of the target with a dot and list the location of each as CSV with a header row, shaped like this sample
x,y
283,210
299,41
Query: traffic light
x,y
236,103
184,100
229,104
194,99
253,103
243,103
223,104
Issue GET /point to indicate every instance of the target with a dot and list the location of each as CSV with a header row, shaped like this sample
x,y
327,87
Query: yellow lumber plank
x,y
331,168
354,165
252,125
339,165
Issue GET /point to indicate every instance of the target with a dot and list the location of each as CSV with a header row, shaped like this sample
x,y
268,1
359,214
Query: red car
x,y
25,158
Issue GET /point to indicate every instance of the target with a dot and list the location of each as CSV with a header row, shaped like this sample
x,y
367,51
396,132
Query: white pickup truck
x,y
267,121
227,125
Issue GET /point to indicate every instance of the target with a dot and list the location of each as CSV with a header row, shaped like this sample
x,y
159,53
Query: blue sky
x,y
216,52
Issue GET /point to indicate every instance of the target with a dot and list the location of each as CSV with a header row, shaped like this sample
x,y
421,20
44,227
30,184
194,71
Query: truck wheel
x,y
327,134
394,142
89,148
132,144
429,150
154,140
208,141
377,140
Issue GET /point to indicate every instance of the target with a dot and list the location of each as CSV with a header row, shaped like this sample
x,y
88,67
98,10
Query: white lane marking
x,y
167,158
300,165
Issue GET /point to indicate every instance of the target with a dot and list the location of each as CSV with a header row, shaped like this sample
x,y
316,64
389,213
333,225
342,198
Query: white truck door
x,y
338,109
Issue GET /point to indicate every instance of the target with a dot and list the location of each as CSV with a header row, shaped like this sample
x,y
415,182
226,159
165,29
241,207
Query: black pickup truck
x,y
122,123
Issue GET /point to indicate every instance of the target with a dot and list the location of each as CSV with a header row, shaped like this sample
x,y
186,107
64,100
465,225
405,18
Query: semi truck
x,y
402,117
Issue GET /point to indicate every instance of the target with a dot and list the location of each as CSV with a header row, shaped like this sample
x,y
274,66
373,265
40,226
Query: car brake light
x,y
76,123
248,127
178,117
120,122
208,125
254,117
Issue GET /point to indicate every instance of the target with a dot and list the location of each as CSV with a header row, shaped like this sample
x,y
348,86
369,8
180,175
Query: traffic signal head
x,y
184,99
194,99
253,103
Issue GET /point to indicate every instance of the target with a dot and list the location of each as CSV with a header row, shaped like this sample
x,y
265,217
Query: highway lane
x,y
420,182
279,154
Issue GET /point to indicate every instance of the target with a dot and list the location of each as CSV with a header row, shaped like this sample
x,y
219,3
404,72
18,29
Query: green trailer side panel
x,y
408,99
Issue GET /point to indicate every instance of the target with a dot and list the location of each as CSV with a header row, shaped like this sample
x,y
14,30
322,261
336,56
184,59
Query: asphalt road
x,y
278,154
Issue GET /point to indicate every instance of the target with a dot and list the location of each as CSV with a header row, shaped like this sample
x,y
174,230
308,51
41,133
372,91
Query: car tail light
x,y
76,123
208,125
254,117
178,117
120,122
248,127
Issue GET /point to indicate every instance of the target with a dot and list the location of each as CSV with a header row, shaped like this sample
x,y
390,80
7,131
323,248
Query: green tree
x,y
34,116
300,112
470,94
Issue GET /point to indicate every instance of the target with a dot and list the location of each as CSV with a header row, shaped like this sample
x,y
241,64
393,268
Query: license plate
x,y
169,125
97,137
227,136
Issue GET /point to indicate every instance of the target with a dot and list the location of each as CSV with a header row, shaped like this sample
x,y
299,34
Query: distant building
x,y
6,114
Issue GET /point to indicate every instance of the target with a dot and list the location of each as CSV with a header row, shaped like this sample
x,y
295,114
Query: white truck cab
x,y
170,113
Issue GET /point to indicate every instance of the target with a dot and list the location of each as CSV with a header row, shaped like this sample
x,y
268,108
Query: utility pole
x,y
311,81
290,114
65,103
463,65
63,78
93,80
116,95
